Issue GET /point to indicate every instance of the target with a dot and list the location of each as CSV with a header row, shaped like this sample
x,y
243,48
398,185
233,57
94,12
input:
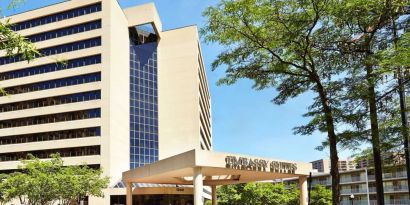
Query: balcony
x,y
374,202
322,182
351,179
393,175
398,202
356,202
353,191
390,189
399,188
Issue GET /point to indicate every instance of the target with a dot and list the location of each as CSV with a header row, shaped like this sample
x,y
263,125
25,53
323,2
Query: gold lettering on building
x,y
243,163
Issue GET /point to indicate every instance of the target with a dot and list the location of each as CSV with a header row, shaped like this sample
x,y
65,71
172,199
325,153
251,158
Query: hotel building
x,y
323,165
110,88
361,183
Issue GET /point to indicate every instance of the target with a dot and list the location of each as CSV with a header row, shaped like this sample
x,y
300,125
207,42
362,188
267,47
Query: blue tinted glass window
x,y
57,17
65,31
143,115
93,42
69,64
51,101
52,118
81,79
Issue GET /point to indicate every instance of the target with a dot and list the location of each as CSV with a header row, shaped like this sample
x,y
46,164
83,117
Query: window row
x,y
139,151
57,17
65,31
143,97
138,160
79,45
140,75
144,83
143,136
137,109
49,136
63,82
144,143
146,91
136,124
52,67
43,154
144,103
145,114
53,118
147,129
51,101
10,171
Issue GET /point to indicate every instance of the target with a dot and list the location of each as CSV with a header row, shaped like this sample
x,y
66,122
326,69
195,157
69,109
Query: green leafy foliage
x,y
257,194
269,194
320,195
289,45
43,182
13,43
346,52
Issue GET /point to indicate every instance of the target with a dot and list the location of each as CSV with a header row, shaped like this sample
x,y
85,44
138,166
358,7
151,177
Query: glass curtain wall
x,y
143,97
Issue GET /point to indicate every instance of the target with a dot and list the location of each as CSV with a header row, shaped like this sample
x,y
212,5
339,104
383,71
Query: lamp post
x,y
351,198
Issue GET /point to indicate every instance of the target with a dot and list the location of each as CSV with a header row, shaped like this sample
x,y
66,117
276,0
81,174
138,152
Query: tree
x,y
320,195
42,182
258,194
284,44
13,43
368,23
269,194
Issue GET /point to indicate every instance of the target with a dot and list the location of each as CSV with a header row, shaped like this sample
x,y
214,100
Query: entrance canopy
x,y
198,168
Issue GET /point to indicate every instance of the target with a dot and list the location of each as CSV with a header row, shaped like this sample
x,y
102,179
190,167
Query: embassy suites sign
x,y
244,163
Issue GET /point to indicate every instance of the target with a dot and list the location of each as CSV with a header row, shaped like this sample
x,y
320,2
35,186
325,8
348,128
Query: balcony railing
x,y
392,202
395,188
353,191
355,202
398,202
351,179
390,188
394,175
390,175
322,182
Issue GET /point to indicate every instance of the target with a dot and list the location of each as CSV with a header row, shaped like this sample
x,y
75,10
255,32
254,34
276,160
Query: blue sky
x,y
244,120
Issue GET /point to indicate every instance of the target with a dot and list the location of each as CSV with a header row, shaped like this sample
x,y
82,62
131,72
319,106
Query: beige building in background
x,y
323,165
127,93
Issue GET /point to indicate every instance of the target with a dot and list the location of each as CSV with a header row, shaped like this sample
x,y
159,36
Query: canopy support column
x,y
303,190
214,196
129,193
198,186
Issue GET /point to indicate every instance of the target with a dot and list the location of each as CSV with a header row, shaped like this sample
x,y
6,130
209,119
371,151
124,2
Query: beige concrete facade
x,y
184,96
208,168
56,109
184,105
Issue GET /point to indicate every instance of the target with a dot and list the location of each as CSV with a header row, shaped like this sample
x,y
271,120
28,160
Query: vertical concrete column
x,y
214,197
198,186
129,193
303,190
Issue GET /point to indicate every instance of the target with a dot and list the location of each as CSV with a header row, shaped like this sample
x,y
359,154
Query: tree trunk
x,y
403,110
332,138
374,127
404,123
